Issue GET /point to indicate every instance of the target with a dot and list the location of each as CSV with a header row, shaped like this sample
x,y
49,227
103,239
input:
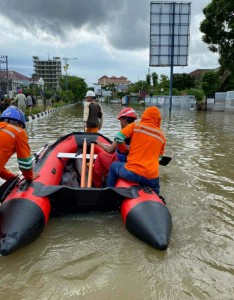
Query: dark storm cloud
x,y
124,22
131,29
57,17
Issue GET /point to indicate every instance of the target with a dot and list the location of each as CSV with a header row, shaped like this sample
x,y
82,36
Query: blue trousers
x,y
117,170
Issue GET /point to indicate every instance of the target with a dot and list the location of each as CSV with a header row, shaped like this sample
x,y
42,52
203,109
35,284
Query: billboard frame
x,y
169,35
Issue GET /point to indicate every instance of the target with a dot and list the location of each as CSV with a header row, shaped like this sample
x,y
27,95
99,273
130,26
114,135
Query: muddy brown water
x,y
92,256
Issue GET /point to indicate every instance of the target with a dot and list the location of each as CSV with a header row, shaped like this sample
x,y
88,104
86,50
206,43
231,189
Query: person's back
x,y
147,144
29,100
93,114
29,103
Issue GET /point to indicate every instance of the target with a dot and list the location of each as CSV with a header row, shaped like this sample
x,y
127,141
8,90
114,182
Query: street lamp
x,y
65,67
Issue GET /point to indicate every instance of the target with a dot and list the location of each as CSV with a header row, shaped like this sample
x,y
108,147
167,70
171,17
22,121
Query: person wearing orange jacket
x,y
146,146
13,139
104,159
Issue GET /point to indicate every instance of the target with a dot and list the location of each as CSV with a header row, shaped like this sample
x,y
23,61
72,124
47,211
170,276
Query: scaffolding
x,y
50,70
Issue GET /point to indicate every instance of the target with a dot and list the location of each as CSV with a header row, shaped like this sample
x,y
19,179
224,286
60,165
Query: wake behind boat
x,y
63,187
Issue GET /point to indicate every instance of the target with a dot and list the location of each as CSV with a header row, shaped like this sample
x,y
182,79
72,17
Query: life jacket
x,y
13,139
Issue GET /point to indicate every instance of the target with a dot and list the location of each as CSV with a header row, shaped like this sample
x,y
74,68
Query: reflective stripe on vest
x,y
15,127
149,131
9,132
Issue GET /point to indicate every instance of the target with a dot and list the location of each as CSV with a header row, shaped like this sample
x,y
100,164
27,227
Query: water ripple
x,y
93,256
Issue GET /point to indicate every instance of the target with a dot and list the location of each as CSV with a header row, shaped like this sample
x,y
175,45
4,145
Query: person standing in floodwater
x,y
20,100
29,103
93,114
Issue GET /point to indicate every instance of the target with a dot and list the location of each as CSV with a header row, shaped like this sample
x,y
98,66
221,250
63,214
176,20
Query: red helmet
x,y
127,112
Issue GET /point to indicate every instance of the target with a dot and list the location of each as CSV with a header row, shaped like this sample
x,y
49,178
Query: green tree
x,y
140,85
183,81
66,96
148,79
218,29
198,93
155,79
210,83
120,95
226,80
35,89
164,81
49,92
163,86
76,85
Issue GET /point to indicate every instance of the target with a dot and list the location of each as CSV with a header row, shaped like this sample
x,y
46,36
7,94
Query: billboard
x,y
169,33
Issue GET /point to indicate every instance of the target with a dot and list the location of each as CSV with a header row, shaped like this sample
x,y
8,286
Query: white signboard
x,y
169,33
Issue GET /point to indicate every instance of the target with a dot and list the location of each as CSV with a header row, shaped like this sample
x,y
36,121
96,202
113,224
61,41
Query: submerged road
x,y
92,256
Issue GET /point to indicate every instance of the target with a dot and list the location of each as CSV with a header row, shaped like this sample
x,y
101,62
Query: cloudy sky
x,y
108,37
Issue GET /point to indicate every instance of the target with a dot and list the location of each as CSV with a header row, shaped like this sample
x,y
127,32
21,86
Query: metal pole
x,y
67,87
66,81
66,59
7,75
172,55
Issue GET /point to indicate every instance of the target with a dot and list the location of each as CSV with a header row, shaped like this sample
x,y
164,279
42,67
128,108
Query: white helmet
x,y
90,94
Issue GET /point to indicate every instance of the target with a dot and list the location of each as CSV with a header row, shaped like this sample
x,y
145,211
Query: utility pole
x,y
65,67
5,77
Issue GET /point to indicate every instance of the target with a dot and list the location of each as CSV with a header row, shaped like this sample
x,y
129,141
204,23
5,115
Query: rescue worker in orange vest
x,y
104,159
93,114
147,145
13,139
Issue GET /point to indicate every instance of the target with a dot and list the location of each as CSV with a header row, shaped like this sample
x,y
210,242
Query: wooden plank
x,y
73,155
90,175
82,181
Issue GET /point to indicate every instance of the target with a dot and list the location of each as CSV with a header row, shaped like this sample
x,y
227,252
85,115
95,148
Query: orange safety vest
x,y
147,144
13,139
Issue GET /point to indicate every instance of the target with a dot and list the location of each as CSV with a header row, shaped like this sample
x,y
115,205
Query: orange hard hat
x,y
127,112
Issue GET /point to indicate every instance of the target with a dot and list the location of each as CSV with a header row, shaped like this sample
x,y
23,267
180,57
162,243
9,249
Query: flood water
x,y
92,256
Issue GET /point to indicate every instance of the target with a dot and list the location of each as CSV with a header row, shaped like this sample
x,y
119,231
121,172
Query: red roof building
x,y
16,80
105,80
198,73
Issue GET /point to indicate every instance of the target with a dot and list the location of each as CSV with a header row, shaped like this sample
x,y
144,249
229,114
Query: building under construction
x,y
50,70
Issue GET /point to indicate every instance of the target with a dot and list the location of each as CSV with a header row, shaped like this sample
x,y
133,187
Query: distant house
x,y
105,80
13,80
198,73
37,81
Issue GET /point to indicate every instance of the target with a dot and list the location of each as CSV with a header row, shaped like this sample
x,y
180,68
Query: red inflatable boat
x,y
27,206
